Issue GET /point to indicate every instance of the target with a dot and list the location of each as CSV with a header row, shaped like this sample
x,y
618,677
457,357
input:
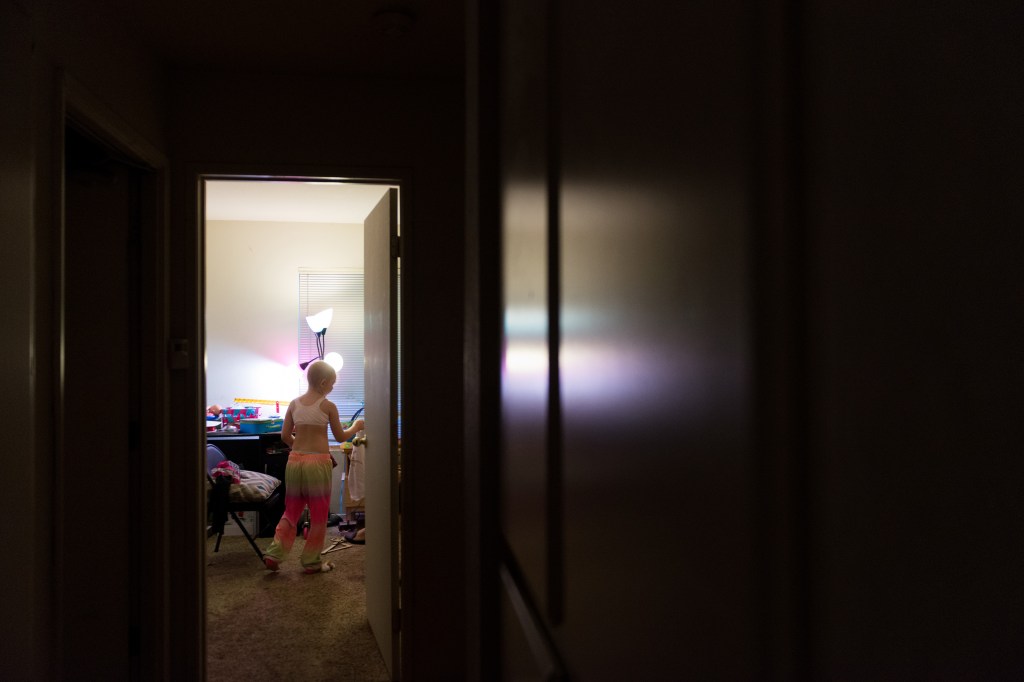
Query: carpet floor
x,y
262,625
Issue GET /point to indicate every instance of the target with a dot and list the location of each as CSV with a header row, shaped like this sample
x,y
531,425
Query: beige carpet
x,y
287,625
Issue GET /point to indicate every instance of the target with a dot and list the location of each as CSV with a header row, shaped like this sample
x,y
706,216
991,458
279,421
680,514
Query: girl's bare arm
x,y
342,434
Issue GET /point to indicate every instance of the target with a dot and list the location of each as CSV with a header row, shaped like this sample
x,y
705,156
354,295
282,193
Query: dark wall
x,y
44,46
761,392
23,510
628,452
244,121
255,120
914,219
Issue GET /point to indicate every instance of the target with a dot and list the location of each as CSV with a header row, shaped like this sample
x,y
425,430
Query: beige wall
x,y
252,301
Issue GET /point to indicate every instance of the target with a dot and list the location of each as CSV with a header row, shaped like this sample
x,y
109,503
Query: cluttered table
x,y
267,453
253,441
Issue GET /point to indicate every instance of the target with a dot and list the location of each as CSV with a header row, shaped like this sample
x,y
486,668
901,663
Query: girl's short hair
x,y
318,371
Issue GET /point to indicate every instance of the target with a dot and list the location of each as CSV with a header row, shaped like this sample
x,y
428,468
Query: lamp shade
x,y
321,321
334,360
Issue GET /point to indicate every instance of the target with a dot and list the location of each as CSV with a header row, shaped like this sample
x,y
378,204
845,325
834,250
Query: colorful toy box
x,y
234,414
267,425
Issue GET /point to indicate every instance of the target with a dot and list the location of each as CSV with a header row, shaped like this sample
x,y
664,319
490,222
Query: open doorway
x,y
102,360
278,250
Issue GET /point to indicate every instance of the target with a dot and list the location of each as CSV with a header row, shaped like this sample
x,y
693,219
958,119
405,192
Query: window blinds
x,y
343,291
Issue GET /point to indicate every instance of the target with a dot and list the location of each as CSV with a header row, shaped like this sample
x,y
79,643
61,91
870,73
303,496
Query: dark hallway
x,y
713,352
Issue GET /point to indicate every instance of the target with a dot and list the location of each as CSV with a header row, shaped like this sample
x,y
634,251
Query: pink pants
x,y
307,480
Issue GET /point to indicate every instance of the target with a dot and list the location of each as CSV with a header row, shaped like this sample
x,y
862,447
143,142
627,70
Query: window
x,y
343,291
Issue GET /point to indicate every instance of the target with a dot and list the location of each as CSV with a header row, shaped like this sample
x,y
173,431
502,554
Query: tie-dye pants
x,y
307,480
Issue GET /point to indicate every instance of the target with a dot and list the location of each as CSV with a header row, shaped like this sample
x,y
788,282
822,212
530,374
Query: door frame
x,y
188,391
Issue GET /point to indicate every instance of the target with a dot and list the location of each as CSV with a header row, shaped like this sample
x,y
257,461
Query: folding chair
x,y
221,505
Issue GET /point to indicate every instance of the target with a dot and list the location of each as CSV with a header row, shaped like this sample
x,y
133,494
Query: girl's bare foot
x,y
324,567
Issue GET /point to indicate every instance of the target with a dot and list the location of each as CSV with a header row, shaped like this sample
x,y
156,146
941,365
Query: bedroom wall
x,y
252,301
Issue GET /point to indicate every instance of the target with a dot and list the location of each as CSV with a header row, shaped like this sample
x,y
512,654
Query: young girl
x,y
307,477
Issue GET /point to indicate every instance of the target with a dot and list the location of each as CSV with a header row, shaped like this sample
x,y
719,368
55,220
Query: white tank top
x,y
308,414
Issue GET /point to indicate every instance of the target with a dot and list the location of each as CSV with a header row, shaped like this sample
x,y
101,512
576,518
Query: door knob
x,y
359,440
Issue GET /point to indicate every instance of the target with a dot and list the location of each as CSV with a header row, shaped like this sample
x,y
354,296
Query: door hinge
x,y
395,244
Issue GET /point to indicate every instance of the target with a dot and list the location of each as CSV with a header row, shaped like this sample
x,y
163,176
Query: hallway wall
x,y
40,43
769,423
220,119
313,122
915,366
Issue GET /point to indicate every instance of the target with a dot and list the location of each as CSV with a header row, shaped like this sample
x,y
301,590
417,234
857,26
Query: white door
x,y
380,231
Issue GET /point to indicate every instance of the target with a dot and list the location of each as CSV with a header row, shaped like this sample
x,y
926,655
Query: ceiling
x,y
290,201
407,39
